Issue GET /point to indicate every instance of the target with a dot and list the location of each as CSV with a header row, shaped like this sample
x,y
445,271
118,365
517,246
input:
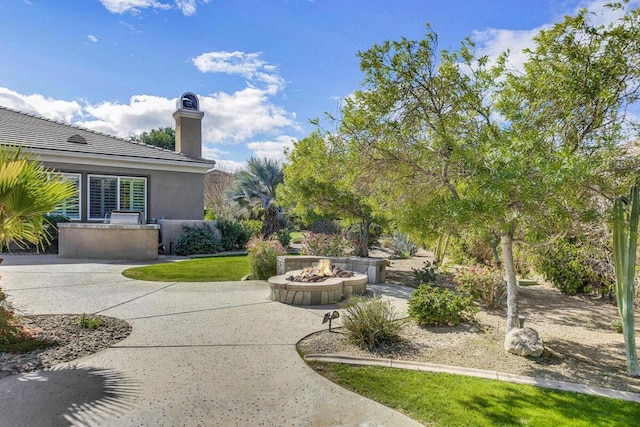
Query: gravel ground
x,y
580,343
70,341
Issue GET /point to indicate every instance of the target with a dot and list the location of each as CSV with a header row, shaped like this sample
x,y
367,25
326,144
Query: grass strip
x,y
437,399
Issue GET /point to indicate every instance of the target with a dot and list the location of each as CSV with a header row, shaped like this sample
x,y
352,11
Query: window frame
x,y
118,178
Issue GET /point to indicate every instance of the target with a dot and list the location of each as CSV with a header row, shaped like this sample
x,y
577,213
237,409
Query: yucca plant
x,y
625,237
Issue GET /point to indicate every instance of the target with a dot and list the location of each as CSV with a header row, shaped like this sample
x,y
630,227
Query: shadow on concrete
x,y
65,396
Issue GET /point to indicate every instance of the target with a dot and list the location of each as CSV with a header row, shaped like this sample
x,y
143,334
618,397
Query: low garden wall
x,y
374,268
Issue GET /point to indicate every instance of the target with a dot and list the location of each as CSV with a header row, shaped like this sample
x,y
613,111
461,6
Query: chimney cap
x,y
188,101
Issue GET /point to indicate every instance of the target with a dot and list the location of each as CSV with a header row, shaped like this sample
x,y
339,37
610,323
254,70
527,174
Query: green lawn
x,y
215,269
296,236
451,400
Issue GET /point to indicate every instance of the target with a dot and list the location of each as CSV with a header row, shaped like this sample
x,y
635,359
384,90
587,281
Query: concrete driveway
x,y
200,354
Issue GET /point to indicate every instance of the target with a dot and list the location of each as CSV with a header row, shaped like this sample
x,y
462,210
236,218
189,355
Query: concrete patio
x,y
200,354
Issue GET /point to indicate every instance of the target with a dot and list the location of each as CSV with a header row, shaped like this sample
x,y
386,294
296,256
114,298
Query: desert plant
x,y
89,322
625,238
197,240
440,249
403,247
369,323
426,274
482,283
263,257
325,244
433,306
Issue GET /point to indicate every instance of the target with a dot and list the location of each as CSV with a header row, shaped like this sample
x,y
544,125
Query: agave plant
x,y
625,237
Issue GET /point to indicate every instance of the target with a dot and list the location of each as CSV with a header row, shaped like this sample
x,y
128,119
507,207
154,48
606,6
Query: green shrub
x,y
197,240
369,323
325,244
426,274
89,322
254,226
233,234
433,306
325,226
284,236
574,265
402,246
263,257
482,283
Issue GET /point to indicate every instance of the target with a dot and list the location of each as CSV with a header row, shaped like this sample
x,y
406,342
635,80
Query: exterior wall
x,y
171,195
170,231
106,241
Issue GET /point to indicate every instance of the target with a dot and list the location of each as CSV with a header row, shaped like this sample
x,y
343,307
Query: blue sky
x,y
262,68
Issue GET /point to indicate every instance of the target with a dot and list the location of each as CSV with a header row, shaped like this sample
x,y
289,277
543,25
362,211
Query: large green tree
x,y
161,137
319,178
451,141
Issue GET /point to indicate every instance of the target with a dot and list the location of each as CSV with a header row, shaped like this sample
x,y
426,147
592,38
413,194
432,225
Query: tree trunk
x,y
364,238
506,241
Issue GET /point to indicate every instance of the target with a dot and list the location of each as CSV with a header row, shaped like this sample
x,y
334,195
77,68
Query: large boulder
x,y
524,342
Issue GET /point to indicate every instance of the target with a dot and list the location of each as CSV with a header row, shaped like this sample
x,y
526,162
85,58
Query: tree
x,y
28,192
318,177
161,137
452,140
256,186
217,185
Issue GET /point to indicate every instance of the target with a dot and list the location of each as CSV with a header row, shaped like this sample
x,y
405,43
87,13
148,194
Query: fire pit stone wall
x,y
374,268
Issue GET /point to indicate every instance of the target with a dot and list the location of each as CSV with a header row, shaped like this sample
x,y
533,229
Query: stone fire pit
x,y
318,285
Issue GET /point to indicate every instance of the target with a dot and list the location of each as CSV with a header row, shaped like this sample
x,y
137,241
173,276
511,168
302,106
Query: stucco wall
x,y
103,241
170,195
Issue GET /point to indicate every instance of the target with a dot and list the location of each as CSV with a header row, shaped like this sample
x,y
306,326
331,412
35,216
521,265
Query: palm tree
x,y
28,192
256,187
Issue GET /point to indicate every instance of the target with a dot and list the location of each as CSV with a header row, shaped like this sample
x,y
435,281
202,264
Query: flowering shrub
x,y
325,244
433,306
484,283
263,257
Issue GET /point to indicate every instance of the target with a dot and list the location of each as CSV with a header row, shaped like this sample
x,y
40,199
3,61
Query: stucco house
x,y
114,174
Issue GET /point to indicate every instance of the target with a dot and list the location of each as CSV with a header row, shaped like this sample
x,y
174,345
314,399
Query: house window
x,y
70,207
111,193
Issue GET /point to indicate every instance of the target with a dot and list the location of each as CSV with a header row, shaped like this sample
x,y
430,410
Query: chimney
x,y
188,119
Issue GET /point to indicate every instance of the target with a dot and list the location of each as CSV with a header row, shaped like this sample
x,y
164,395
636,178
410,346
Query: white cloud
x,y
230,118
187,7
54,109
493,41
132,6
143,113
272,149
248,65
92,38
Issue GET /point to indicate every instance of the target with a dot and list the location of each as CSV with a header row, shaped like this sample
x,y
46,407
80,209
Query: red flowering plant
x,y
483,283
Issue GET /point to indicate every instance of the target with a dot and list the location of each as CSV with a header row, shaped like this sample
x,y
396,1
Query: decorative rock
x,y
524,342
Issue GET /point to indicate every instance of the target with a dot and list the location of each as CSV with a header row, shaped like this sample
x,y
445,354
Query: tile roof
x,y
38,133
